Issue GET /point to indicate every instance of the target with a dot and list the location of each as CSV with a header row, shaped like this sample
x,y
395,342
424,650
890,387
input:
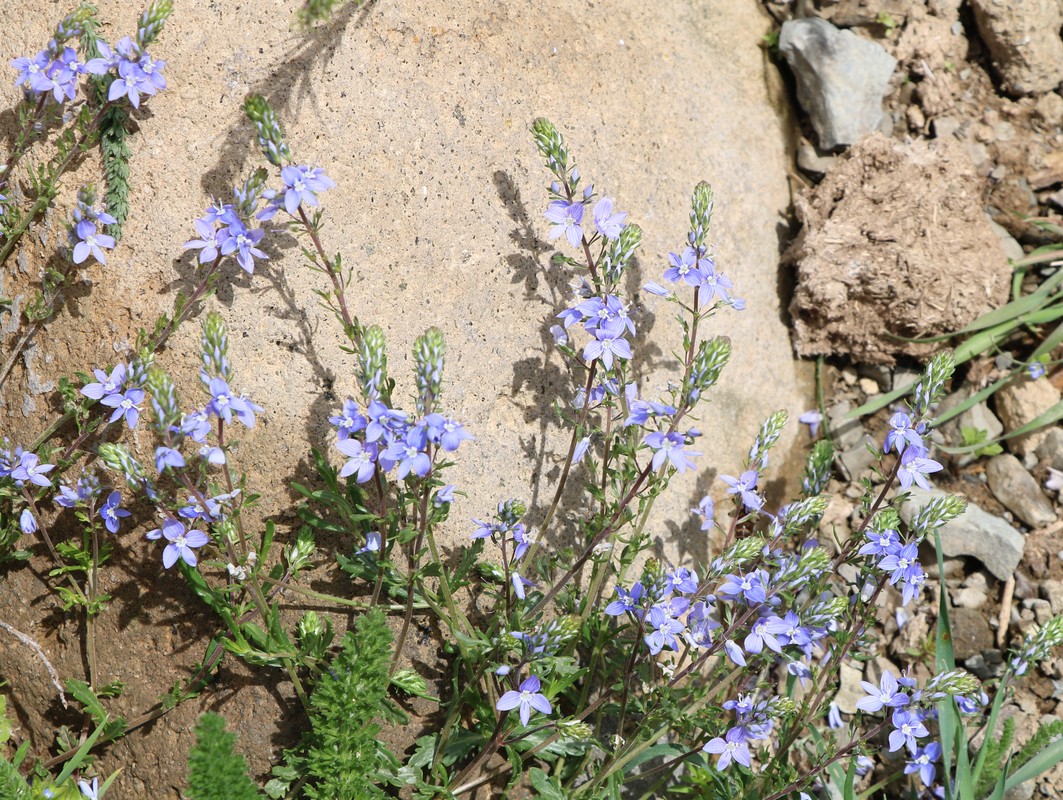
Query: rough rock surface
x,y
841,78
974,533
1016,488
420,112
1021,402
1023,38
876,258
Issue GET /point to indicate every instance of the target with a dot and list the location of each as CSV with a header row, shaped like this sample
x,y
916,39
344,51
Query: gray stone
x,y
970,632
857,460
849,689
976,580
1012,249
1049,108
841,78
847,433
1021,402
1042,609
970,598
1016,488
1051,449
879,373
975,533
1023,39
945,126
813,160
1052,591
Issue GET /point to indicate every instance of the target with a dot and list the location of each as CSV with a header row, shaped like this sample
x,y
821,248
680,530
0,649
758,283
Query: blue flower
x,y
663,629
1036,370
30,469
243,241
180,542
126,405
745,485
32,72
606,346
447,433
349,421
90,242
90,790
209,241
608,222
105,384
732,747
908,726
444,496
527,699
567,218
669,447
627,601
409,453
130,83
224,404
882,543
684,268
168,457
902,432
300,183
923,762
27,522
887,694
111,514
362,459
706,510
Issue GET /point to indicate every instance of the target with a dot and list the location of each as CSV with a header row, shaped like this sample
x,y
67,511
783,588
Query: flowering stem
x,y
414,558
488,750
51,188
351,328
804,780
22,141
180,314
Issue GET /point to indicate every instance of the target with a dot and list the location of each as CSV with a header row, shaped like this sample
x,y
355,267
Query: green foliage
x,y
977,436
340,758
996,753
215,770
116,155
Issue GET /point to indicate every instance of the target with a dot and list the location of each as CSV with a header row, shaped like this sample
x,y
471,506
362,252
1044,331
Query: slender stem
x,y
22,141
90,612
414,558
331,598
46,197
154,346
351,326
489,748
563,480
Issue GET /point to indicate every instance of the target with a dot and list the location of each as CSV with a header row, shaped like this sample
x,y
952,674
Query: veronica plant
x,y
572,671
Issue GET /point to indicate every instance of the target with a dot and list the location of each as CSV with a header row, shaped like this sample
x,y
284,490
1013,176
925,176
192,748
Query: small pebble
x,y
869,386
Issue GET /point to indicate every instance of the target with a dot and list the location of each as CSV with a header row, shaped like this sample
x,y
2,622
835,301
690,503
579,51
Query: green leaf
x,y
1040,763
410,682
215,770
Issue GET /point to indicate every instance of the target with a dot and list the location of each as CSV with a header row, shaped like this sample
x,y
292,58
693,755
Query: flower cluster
x,y
226,228
385,438
131,70
84,234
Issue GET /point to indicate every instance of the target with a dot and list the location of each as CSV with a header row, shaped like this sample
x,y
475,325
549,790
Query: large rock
x,y
841,78
1016,488
876,260
1021,402
975,533
1023,38
420,112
